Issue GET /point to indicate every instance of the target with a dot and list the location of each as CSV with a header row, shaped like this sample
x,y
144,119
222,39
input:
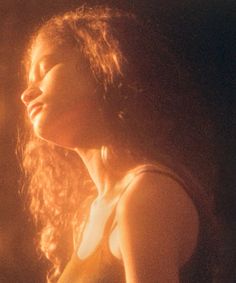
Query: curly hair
x,y
152,106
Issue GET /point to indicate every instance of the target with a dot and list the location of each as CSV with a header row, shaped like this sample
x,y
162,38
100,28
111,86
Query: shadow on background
x,y
202,33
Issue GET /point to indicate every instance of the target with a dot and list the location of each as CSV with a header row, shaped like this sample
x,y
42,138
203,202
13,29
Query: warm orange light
x,y
2,112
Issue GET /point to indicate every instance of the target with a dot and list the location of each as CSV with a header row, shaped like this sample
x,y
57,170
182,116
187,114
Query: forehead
x,y
43,51
41,47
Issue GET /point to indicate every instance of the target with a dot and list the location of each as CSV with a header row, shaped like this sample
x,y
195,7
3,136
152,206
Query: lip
x,y
34,109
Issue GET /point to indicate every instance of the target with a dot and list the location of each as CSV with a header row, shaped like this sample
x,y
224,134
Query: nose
x,y
30,94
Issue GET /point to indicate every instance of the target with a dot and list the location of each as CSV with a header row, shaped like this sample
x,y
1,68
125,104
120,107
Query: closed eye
x,y
39,70
45,67
46,63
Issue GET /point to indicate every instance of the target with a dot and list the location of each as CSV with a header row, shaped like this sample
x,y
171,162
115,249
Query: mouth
x,y
34,110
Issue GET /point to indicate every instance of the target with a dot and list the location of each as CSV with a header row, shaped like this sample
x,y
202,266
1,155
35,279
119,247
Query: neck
x,y
107,182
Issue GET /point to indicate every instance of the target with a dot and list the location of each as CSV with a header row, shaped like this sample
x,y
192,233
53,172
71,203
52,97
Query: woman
x,y
115,121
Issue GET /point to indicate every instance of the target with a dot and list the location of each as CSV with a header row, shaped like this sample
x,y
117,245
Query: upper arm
x,y
151,220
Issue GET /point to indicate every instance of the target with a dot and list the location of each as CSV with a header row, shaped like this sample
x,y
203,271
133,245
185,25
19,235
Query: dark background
x,y
202,32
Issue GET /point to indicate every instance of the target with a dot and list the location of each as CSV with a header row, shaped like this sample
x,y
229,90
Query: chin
x,y
56,138
65,131
46,130
66,137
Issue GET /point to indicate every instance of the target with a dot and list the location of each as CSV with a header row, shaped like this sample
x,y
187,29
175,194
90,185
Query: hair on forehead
x,y
92,31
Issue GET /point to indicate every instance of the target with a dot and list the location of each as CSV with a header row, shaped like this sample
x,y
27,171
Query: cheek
x,y
57,89
65,85
80,110
60,116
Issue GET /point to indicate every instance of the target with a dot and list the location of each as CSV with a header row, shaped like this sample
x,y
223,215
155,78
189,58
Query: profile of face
x,y
61,98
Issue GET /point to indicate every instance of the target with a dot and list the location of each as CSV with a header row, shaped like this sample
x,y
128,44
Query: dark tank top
x,y
103,267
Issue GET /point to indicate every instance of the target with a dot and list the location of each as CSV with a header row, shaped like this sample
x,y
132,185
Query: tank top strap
x,y
188,187
160,169
188,182
146,168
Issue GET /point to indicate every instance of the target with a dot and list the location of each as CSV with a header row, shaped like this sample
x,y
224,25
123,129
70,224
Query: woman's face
x,y
61,101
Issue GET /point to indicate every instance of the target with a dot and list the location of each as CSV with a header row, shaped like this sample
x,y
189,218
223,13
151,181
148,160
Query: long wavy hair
x,y
153,107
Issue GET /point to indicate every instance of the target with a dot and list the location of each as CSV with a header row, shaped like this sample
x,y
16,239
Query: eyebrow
x,y
45,57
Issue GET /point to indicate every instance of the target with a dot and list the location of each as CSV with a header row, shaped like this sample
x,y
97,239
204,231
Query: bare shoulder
x,y
149,189
157,209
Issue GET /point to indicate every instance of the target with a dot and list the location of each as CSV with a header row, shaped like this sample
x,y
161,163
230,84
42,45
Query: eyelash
x,y
43,70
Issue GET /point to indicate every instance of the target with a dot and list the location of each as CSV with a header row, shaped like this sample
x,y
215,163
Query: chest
x,y
98,231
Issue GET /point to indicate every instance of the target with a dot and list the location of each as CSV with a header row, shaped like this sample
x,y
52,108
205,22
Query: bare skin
x,y
157,222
